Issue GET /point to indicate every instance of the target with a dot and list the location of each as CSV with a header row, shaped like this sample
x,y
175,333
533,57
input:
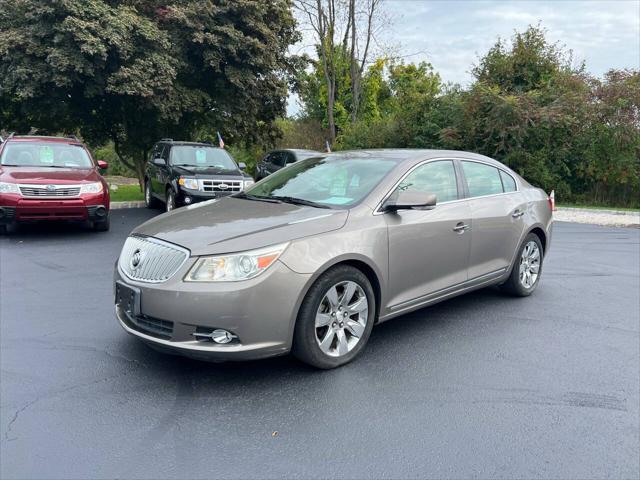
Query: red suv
x,y
51,178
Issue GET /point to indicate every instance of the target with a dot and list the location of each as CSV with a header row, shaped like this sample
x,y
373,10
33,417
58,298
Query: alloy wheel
x,y
341,318
529,265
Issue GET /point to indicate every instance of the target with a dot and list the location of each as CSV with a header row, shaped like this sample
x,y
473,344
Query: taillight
x,y
552,200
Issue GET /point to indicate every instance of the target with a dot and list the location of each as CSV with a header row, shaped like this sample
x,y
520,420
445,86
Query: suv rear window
x,y
45,154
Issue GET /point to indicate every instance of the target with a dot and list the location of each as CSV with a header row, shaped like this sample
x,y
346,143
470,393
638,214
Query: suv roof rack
x,y
73,137
166,139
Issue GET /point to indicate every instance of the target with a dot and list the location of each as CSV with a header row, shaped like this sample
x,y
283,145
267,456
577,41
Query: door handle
x,y
517,214
461,227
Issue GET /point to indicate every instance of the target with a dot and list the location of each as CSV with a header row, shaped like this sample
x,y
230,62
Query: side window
x,y
508,182
482,179
434,177
291,158
155,152
165,153
278,159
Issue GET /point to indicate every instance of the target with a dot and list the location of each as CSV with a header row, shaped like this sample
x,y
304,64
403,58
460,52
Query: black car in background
x,y
274,161
182,173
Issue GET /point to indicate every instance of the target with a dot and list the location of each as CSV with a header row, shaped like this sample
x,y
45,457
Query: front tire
x,y
335,319
171,200
527,268
102,225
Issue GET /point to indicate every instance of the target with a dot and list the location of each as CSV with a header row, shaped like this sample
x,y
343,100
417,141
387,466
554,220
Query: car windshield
x,y
45,154
328,181
199,156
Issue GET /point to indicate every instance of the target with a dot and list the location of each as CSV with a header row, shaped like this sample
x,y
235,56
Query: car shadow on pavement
x,y
390,343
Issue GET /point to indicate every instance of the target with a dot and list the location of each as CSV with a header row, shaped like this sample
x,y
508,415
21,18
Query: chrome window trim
x,y
377,210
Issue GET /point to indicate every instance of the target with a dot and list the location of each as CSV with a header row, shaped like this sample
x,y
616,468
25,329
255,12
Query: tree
x,y
340,43
132,72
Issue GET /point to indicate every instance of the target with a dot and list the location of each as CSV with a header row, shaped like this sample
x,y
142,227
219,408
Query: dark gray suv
x,y
274,161
182,173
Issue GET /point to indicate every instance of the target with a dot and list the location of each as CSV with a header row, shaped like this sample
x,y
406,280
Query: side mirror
x,y
159,162
242,165
102,165
410,200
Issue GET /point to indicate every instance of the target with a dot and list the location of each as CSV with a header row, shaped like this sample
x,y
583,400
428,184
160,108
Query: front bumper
x,y
85,207
187,196
261,312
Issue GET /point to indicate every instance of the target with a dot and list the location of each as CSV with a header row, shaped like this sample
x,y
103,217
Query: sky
x,y
452,34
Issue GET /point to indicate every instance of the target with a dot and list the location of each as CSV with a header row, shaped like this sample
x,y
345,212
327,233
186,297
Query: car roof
x,y
43,138
401,155
180,142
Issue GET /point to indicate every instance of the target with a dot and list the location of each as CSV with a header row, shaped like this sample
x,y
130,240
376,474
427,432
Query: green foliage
x,y
529,108
132,72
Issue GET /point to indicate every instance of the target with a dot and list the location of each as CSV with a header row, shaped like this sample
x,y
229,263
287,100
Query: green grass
x,y
597,207
127,193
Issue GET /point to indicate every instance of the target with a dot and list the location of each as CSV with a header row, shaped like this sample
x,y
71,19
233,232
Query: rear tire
x,y
335,319
527,268
149,200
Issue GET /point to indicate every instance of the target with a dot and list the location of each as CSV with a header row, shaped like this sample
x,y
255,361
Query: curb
x,y
120,205
594,211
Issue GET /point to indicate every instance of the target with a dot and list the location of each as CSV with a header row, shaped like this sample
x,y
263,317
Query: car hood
x,y
206,172
234,224
48,175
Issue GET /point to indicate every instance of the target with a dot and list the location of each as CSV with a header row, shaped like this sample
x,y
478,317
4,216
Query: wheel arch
x,y
361,263
540,233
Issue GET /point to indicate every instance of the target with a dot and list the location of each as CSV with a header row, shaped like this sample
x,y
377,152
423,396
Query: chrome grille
x,y
222,186
148,259
50,190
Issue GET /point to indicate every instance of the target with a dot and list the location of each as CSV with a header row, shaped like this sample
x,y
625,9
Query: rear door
x,y
428,249
497,210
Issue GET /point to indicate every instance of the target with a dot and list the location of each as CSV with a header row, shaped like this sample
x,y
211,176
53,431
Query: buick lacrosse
x,y
309,259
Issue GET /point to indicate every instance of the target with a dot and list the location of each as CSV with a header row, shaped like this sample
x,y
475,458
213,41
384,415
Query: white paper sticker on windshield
x,y
201,155
338,200
339,183
46,154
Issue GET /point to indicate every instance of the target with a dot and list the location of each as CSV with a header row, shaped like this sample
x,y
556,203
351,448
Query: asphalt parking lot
x,y
482,386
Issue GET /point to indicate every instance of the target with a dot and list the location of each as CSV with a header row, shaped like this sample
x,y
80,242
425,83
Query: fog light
x,y
187,200
222,336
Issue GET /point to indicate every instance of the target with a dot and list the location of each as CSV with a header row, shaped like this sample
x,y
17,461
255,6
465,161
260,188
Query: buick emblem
x,y
223,186
136,258
51,188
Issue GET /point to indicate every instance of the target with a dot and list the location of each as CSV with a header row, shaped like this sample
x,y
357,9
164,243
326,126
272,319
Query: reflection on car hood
x,y
47,175
235,224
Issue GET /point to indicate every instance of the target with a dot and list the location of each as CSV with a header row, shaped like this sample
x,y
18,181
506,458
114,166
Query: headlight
x,y
95,187
190,183
9,188
247,184
234,267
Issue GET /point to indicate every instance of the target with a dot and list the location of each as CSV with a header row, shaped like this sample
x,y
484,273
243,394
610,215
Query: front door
x,y
428,249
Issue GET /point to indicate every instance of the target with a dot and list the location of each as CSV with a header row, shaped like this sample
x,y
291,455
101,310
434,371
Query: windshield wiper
x,y
256,198
300,201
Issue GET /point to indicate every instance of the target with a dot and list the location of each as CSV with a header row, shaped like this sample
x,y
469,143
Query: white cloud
x,y
452,34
